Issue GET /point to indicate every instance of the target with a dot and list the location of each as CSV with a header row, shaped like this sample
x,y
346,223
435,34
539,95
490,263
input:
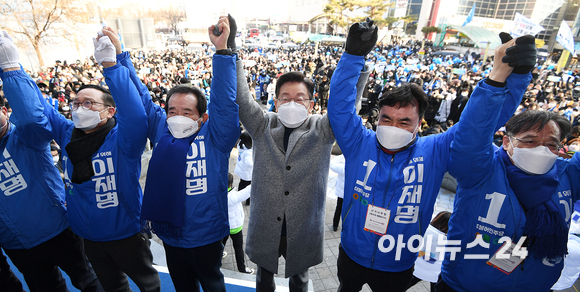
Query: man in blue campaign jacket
x,y
34,230
506,195
392,176
102,160
186,190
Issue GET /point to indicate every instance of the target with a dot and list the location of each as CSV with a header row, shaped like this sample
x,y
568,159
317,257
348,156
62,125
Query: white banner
x,y
524,25
401,8
566,38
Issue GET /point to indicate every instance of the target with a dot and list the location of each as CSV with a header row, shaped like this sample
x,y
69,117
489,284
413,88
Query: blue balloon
x,y
551,67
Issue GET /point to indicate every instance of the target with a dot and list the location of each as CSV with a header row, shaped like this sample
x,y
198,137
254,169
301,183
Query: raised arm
x,y
21,91
251,114
131,118
223,122
492,103
345,122
155,114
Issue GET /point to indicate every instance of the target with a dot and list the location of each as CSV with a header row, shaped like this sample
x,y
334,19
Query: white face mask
x,y
393,138
573,147
85,119
182,127
55,159
292,114
533,160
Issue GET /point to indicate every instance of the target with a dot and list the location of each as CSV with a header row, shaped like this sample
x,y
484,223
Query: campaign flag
x,y
524,25
470,15
565,38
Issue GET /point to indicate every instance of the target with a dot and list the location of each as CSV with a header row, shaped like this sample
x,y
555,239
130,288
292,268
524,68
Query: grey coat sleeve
x,y
251,114
360,87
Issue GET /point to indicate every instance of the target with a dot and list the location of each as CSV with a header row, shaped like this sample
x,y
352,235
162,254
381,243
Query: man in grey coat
x,y
291,164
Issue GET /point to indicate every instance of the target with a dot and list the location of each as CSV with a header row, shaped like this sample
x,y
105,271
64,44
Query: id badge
x,y
377,220
505,265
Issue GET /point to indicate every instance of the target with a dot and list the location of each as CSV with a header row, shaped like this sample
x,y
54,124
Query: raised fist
x,y
9,56
362,37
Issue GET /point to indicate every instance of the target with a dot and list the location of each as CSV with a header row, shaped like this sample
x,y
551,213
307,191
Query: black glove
x,y
505,37
362,37
522,56
233,32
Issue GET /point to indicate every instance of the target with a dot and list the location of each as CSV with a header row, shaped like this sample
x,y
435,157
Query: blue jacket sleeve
x,y
346,124
516,88
488,109
155,114
131,118
60,126
224,122
27,111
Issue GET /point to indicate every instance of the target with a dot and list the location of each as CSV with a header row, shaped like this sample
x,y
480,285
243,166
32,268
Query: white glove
x,y
9,56
104,50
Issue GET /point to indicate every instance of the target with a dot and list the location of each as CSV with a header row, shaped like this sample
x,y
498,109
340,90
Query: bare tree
x,y
171,16
336,11
375,9
37,20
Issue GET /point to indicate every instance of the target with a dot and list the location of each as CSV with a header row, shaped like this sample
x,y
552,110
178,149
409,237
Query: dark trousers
x,y
353,276
265,278
238,242
265,281
242,185
8,281
337,212
40,264
441,286
114,260
190,267
416,280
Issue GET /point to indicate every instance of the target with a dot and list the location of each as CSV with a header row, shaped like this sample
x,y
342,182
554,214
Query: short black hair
x,y
295,76
246,140
441,221
575,130
537,120
106,97
405,95
199,95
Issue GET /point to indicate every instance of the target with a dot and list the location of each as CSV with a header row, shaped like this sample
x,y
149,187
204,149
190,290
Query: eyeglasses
x,y
297,100
87,104
530,143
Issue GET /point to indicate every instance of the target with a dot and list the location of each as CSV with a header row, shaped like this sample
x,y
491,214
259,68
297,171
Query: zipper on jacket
x,y
514,286
345,215
384,200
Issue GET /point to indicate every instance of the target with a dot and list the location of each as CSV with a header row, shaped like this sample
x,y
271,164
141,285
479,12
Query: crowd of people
x,y
399,113
448,82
